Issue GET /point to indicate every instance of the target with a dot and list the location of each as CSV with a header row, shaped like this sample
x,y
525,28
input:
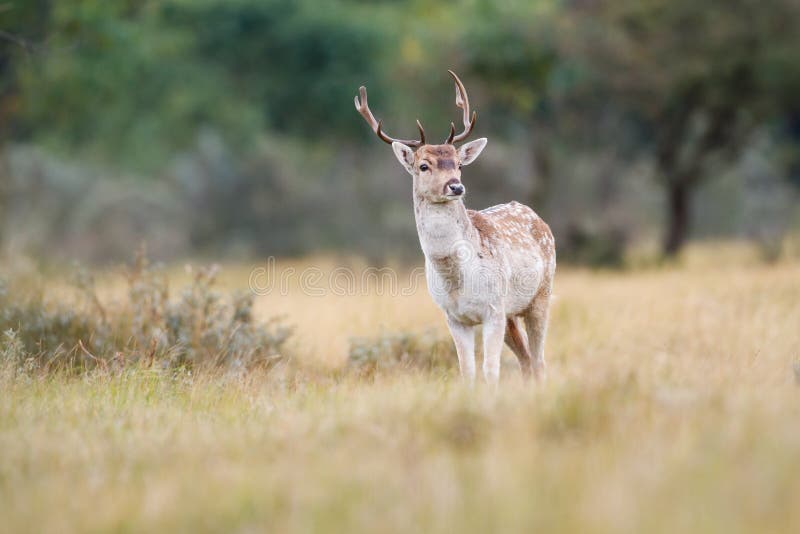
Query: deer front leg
x,y
494,331
464,339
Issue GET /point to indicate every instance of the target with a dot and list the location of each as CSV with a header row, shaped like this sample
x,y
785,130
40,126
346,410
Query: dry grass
x,y
671,406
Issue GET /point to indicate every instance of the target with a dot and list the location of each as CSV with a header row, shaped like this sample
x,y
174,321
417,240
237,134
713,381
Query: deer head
x,y
436,168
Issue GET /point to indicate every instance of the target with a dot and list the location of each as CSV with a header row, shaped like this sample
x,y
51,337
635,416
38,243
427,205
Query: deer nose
x,y
456,188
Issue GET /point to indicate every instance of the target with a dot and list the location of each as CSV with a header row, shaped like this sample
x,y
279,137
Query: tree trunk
x,y
540,197
678,216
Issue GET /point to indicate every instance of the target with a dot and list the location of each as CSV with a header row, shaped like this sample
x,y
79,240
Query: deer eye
x,y
424,167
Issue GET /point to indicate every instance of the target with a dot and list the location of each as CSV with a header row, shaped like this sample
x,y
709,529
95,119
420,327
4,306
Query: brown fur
x,y
542,232
518,343
485,229
516,224
481,223
437,151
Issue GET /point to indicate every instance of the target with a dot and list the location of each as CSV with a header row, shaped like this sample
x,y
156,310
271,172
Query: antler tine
x,y
462,101
452,134
363,109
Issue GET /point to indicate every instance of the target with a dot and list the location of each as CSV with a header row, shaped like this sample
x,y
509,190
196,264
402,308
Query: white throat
x,y
445,231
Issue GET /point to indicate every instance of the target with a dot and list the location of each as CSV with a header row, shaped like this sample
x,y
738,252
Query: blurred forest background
x,y
227,127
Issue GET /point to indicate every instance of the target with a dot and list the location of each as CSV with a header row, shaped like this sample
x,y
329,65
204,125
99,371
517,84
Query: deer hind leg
x,y
536,324
517,341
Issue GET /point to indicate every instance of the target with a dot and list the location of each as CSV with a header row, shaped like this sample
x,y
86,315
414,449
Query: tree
x,y
693,79
134,81
509,47
23,35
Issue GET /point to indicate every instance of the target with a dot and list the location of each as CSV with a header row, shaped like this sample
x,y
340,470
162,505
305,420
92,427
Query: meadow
x,y
671,405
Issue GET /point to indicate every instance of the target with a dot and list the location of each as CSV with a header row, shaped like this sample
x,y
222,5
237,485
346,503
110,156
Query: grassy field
x,y
672,405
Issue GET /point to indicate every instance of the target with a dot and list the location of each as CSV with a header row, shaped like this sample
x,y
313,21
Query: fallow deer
x,y
493,267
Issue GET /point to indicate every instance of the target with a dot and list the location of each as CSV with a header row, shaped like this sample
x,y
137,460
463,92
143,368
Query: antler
x,y
462,101
363,108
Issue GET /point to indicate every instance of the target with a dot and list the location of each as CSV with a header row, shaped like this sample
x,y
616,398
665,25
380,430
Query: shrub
x,y
200,328
427,351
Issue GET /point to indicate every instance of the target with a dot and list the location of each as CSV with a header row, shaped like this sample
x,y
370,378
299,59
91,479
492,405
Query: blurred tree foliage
x,y
138,84
135,80
519,61
694,80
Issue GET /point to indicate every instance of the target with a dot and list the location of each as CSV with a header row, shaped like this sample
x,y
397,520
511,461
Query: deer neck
x,y
446,234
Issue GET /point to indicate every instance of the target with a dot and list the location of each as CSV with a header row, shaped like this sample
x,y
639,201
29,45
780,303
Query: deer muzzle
x,y
454,187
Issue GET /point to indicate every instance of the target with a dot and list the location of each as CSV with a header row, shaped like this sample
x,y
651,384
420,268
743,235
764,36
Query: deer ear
x,y
470,152
404,155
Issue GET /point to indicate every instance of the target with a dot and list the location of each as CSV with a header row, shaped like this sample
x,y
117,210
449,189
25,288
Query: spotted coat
x,y
493,267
